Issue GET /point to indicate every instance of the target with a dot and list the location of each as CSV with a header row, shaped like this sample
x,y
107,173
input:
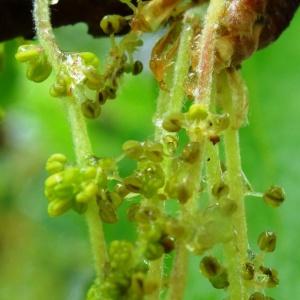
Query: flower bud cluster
x,y
38,67
71,187
125,277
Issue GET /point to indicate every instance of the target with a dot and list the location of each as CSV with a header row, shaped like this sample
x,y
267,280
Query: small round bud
x,y
210,267
112,24
267,241
89,172
274,196
53,180
38,71
257,296
90,58
91,109
173,122
133,149
191,152
137,67
93,79
197,112
27,53
248,271
58,207
272,275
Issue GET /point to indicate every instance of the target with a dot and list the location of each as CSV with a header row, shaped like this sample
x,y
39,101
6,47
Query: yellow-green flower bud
x,y
93,78
91,109
71,175
133,149
53,180
38,71
56,163
267,241
89,172
58,207
90,58
54,167
28,52
197,112
274,196
173,122
111,24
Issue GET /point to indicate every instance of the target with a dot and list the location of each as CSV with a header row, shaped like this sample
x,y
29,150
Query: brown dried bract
x,y
248,25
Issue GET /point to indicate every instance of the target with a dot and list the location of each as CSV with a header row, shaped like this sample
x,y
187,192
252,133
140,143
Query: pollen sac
x,y
220,281
154,151
173,122
133,149
272,276
191,152
133,184
210,267
267,241
220,190
248,271
275,196
112,24
257,296
137,67
91,109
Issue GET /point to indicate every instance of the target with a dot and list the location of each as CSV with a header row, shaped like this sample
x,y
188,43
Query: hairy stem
x,y
235,250
180,265
78,127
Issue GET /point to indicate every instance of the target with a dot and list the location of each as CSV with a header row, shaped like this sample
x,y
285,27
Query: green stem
x,y
235,250
78,127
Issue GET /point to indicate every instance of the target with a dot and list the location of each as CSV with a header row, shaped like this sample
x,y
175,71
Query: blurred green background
x,y
44,258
